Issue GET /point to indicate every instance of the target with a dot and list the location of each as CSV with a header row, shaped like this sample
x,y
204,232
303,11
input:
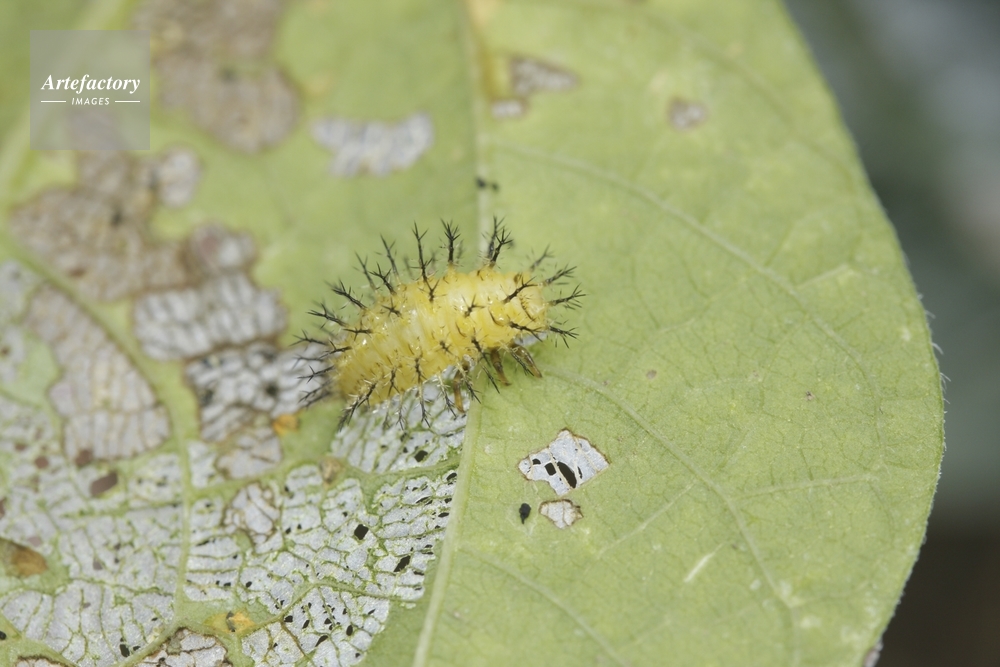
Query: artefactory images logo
x,y
90,89
78,86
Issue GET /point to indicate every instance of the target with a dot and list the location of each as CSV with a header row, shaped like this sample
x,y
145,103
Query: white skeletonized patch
x,y
567,463
110,410
409,517
188,649
236,384
200,49
395,436
248,111
529,76
13,351
201,458
177,173
306,533
214,556
374,147
686,115
254,511
224,310
217,250
251,453
382,548
95,233
26,436
88,623
159,480
508,107
119,550
212,27
329,627
328,557
272,646
562,513
16,285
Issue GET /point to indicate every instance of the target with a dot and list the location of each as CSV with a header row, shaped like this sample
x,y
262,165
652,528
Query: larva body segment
x,y
433,326
412,335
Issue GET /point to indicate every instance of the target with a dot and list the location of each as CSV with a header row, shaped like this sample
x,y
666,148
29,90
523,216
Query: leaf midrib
x,y
449,545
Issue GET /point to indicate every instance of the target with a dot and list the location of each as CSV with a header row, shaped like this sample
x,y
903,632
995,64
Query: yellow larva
x,y
411,332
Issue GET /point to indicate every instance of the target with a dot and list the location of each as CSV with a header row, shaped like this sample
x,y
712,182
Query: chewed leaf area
x,y
374,147
97,534
95,231
569,461
214,63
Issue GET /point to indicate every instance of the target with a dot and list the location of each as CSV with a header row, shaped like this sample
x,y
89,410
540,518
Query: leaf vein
x,y
704,478
552,598
592,171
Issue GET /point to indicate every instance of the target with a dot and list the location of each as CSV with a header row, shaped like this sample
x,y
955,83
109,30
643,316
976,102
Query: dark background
x,y
918,82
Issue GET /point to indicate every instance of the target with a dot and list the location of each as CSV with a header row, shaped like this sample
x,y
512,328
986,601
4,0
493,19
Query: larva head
x,y
435,325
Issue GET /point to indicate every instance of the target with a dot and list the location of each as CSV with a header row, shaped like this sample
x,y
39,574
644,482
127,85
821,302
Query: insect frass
x,y
437,326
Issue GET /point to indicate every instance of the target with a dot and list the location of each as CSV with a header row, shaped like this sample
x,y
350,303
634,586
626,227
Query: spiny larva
x,y
434,326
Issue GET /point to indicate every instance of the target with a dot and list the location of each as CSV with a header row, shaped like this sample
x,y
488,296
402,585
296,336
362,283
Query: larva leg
x,y
424,417
459,405
497,364
461,380
522,357
348,412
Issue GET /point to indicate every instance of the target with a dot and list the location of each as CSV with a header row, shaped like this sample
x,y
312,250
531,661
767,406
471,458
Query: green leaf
x,y
752,361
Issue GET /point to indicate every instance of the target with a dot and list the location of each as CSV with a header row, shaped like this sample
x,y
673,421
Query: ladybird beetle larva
x,y
435,326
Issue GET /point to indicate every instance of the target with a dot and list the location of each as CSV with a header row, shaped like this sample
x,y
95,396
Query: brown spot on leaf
x,y
810,396
330,467
83,457
686,115
230,621
650,374
21,561
42,462
103,484
286,423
